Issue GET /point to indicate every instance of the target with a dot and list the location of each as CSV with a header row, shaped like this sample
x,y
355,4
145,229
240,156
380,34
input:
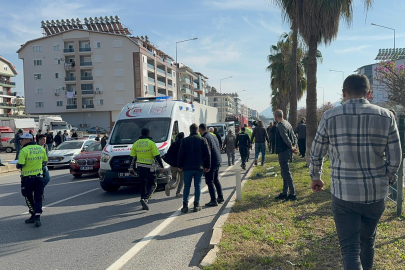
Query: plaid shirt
x,y
364,149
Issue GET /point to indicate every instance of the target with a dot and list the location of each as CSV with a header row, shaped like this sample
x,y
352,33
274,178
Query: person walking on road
x,y
285,147
211,177
58,138
42,142
31,161
244,144
1,147
171,158
104,140
301,132
145,154
74,134
17,143
260,137
365,155
194,159
229,145
249,132
218,136
49,139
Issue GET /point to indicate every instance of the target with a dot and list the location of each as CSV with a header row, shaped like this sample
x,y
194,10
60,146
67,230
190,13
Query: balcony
x,y
69,50
8,105
88,49
161,71
169,85
195,85
151,79
169,74
151,53
7,84
161,83
86,78
83,64
151,67
186,80
87,92
69,107
88,106
8,93
185,90
169,61
70,79
195,94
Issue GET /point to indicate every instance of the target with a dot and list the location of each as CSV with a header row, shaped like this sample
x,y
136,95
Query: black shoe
x,y
229,164
185,208
144,204
256,162
212,203
233,163
220,200
244,167
1,164
30,220
197,207
291,198
281,196
37,221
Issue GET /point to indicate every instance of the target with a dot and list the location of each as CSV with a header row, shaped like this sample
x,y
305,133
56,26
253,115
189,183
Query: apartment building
x,y
87,72
187,86
224,102
7,71
201,88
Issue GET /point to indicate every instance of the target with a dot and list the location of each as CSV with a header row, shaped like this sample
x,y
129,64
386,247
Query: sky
x,y
234,37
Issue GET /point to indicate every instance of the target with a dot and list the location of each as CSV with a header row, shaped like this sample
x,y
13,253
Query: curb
x,y
217,229
8,168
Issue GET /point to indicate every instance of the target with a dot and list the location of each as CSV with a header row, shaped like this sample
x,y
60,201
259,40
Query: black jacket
x,y
215,148
242,140
260,135
285,137
58,139
74,135
103,142
49,138
194,153
219,138
273,133
173,154
37,137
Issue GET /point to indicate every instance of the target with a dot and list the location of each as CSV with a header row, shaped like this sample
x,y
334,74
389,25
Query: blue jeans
x,y
47,177
260,147
50,145
188,177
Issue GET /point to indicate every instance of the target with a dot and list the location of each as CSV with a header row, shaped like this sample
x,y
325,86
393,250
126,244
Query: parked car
x,y
88,137
87,162
94,131
8,145
63,154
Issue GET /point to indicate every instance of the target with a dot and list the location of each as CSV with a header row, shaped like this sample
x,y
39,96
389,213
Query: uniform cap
x,y
26,136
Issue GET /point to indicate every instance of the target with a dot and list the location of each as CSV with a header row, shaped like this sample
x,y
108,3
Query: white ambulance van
x,y
164,118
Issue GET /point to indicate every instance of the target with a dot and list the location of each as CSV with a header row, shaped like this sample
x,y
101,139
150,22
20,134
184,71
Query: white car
x,y
61,156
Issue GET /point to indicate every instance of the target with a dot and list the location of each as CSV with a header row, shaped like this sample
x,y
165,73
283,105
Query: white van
x,y
163,117
223,128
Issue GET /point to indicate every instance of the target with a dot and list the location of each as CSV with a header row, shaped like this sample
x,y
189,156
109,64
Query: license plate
x,y
89,168
123,175
53,160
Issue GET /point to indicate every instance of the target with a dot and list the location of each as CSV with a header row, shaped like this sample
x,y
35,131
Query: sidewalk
x,y
6,158
262,233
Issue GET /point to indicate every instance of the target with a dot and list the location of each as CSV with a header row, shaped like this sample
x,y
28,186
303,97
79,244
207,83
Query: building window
x,y
5,68
56,75
117,43
39,104
145,88
37,76
87,86
56,47
59,103
98,45
37,62
100,102
37,48
118,72
39,91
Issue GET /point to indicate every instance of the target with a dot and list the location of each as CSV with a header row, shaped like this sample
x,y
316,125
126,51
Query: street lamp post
x,y
181,42
220,91
386,28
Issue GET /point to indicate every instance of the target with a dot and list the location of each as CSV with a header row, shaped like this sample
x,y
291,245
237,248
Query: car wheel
x,y
76,175
109,188
9,150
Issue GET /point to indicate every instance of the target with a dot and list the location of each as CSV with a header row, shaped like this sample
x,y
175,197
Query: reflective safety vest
x,y
249,132
145,151
32,156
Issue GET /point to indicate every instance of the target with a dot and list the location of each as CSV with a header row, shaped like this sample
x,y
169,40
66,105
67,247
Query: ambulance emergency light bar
x,y
152,98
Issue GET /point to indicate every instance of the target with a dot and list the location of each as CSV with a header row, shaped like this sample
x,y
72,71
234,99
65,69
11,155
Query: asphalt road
x,y
86,228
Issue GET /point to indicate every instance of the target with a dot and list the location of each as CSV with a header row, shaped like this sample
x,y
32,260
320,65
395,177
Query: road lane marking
x,y
52,177
74,182
124,259
64,200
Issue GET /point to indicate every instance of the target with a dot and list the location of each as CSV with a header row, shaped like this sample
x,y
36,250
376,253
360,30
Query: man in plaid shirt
x,y
365,154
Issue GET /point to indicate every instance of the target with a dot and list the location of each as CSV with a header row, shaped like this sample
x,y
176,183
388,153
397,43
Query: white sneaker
x,y
179,195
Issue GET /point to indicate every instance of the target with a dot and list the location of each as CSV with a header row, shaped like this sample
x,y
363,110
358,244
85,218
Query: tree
x,y
392,77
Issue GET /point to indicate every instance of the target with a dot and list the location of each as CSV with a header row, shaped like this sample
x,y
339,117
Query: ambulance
x,y
164,117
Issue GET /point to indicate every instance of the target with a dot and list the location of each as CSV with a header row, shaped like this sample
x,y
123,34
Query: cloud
x,y
272,27
219,22
251,5
352,49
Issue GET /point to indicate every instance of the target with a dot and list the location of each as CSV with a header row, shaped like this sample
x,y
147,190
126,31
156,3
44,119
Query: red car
x,y
87,162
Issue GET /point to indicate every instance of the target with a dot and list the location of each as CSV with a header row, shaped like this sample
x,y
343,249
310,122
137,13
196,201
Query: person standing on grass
x,y
365,154
260,137
229,145
285,147
211,177
171,159
194,159
268,130
273,137
243,143
301,132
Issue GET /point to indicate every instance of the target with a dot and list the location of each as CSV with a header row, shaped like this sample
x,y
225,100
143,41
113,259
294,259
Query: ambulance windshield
x,y
129,130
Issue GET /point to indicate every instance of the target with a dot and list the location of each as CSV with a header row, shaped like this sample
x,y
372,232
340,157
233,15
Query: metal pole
x,y
238,186
176,52
394,38
400,182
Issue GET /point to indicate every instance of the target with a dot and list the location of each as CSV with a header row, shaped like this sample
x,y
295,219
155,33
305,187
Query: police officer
x,y
31,160
145,154
244,144
249,132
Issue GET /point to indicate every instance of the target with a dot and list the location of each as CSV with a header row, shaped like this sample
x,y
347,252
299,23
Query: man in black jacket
x,y
171,159
260,137
243,143
49,139
285,147
58,138
273,137
104,140
211,177
216,133
301,132
194,159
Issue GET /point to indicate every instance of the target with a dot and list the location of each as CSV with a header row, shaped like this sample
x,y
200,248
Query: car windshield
x,y
128,131
220,129
94,147
54,127
69,145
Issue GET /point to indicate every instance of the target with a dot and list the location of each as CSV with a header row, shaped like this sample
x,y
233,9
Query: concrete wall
x,y
101,119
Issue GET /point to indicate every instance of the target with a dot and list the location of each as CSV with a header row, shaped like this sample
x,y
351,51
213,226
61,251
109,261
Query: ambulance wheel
x,y
109,188
9,150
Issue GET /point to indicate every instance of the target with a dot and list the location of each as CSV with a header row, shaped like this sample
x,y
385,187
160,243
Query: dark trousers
x,y
356,226
17,150
32,190
243,154
212,181
148,182
302,145
272,145
231,156
284,159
